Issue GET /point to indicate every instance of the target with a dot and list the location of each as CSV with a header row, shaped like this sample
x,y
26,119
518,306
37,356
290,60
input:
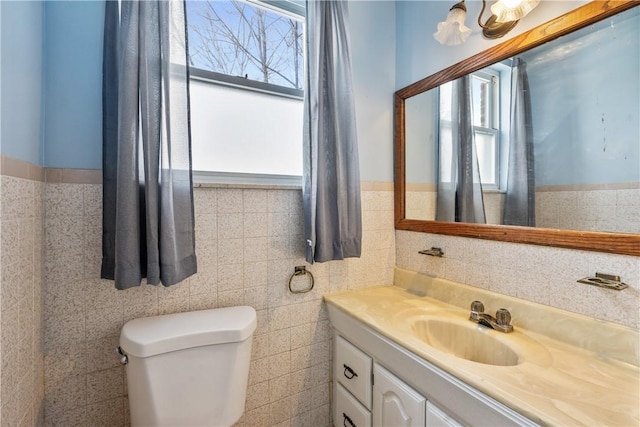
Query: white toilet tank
x,y
188,369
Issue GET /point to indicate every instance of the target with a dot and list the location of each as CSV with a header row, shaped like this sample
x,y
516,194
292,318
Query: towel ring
x,y
300,270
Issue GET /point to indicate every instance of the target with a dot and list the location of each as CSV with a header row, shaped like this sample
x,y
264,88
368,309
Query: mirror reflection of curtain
x,y
459,193
519,204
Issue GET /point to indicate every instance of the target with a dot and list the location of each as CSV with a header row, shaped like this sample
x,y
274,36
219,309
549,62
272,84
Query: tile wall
x,y
21,352
616,209
596,208
541,274
248,242
422,205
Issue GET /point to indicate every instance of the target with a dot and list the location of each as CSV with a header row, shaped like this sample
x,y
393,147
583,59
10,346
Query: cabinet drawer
x,y
348,412
352,368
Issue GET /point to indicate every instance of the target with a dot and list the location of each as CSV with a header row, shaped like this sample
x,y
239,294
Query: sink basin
x,y
467,341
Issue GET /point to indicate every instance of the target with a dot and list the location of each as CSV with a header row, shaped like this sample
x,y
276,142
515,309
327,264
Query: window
x,y
247,72
486,124
237,39
484,86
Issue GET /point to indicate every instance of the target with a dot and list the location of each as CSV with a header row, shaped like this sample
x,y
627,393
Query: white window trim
x,y
494,108
246,179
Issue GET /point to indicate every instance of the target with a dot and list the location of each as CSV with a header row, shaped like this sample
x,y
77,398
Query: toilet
x,y
188,369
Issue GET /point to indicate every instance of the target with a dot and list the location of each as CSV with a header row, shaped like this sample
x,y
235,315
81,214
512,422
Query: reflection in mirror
x,y
579,124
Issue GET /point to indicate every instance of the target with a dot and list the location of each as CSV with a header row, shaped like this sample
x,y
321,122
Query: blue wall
x,y
21,51
73,101
587,124
373,52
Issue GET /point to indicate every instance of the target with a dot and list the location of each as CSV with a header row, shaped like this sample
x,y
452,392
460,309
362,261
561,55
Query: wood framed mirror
x,y
627,243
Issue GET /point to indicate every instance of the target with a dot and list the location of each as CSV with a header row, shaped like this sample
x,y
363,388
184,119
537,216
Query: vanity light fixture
x,y
453,31
505,14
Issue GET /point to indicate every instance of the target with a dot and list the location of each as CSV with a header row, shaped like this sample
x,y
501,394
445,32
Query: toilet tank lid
x,y
150,336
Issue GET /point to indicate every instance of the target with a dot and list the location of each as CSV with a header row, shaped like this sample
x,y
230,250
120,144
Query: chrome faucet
x,y
500,323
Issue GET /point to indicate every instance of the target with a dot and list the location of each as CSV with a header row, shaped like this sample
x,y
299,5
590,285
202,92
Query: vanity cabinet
x,y
377,382
367,394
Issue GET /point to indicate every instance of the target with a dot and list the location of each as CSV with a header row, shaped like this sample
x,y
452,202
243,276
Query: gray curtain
x,y
519,204
331,175
148,220
459,192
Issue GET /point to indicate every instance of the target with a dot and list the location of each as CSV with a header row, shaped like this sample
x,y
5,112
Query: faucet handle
x,y
477,307
503,317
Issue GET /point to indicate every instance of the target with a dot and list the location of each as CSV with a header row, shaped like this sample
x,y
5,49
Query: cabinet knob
x,y
349,373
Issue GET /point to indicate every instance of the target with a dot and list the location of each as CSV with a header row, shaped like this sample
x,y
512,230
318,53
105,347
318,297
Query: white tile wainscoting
x,y
21,260
248,242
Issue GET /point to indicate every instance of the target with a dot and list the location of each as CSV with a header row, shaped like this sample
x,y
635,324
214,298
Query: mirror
x,y
585,143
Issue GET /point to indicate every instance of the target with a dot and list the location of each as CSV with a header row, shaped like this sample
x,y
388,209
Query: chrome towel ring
x,y
301,270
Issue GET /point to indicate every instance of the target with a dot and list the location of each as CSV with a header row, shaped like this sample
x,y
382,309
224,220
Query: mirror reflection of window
x,y
486,100
486,125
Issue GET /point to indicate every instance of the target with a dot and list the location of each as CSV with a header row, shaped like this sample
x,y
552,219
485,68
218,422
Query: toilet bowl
x,y
188,369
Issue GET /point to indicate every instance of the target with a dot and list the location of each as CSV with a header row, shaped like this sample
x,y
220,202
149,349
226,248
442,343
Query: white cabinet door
x,y
437,418
394,402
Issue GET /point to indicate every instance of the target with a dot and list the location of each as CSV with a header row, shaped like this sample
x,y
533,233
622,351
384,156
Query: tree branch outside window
x,y
240,39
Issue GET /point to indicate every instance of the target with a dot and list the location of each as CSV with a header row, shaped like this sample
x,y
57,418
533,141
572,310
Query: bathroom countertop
x,y
573,370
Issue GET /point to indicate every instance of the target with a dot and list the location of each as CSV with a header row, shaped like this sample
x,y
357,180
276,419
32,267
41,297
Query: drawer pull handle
x,y
347,420
348,372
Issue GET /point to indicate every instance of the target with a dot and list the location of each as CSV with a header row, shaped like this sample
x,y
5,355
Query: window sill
x,y
206,179
494,191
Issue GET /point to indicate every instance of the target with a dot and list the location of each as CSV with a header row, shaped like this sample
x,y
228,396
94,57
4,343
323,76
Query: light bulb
x,y
512,10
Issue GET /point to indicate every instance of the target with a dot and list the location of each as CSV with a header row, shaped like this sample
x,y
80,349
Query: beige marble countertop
x,y
572,370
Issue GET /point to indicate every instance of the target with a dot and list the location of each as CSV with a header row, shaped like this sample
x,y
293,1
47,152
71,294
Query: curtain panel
x,y
519,202
459,191
148,217
331,174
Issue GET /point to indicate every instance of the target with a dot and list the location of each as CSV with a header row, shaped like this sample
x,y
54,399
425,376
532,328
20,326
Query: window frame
x,y
493,76
244,84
